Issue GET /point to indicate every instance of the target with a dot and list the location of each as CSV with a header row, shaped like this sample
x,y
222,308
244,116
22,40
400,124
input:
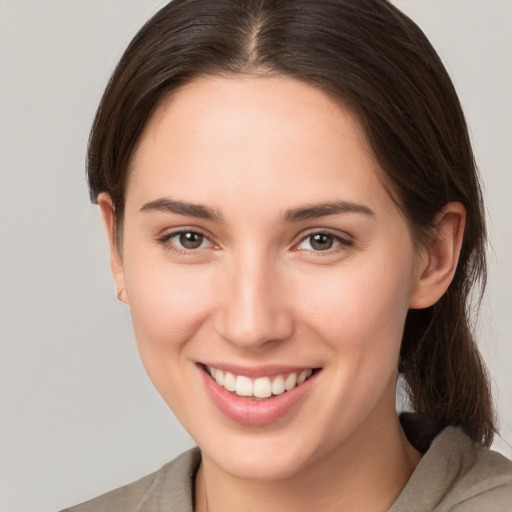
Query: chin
x,y
264,457
257,467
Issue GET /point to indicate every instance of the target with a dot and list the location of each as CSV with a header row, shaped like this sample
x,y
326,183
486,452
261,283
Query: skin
x,y
256,292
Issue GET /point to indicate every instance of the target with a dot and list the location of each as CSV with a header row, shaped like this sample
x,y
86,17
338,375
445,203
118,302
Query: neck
x,y
366,473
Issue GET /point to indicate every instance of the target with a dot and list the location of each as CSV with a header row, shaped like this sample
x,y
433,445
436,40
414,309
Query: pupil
x,y
321,242
191,240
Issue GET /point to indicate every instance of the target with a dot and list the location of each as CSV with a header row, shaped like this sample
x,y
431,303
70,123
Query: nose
x,y
254,310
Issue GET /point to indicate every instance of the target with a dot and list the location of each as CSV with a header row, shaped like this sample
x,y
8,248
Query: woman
x,y
294,218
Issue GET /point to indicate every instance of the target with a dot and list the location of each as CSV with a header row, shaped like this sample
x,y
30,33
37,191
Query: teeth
x,y
229,381
304,374
243,386
278,385
290,382
262,387
219,377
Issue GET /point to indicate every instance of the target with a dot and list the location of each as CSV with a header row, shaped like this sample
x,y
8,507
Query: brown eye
x,y
321,241
190,239
184,240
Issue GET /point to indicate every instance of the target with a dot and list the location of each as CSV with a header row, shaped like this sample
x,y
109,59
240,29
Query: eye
x,y
186,240
321,242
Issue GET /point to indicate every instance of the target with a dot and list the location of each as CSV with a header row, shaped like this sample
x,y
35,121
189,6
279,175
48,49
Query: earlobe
x,y
440,257
116,262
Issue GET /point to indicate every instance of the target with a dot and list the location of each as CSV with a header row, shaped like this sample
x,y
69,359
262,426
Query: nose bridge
x,y
253,310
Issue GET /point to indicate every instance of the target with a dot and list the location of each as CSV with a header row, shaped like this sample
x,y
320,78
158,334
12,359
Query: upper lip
x,y
269,370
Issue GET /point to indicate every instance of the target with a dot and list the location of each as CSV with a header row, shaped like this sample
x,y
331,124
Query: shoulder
x,y
485,483
458,475
170,488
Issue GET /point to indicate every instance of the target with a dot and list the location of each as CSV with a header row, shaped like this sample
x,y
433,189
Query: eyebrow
x,y
320,210
182,208
308,211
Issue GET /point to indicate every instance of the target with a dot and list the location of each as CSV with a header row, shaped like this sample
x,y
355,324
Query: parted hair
x,y
375,61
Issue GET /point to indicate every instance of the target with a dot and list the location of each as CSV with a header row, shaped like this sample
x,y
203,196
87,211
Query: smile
x,y
259,400
262,387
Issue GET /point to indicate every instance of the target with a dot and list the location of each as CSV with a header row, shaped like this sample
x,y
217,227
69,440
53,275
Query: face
x,y
262,255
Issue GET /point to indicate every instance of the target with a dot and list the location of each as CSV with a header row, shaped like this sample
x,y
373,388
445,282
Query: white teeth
x,y
290,382
219,377
278,385
229,381
243,386
304,374
262,387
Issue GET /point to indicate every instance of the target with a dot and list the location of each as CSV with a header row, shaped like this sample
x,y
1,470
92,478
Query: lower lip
x,y
256,413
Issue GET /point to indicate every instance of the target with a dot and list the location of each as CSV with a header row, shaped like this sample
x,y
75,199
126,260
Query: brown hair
x,y
375,60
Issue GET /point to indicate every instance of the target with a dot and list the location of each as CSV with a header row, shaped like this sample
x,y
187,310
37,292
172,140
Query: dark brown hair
x,y
378,63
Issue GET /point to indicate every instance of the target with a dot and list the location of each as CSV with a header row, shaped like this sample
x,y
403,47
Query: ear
x,y
108,216
439,257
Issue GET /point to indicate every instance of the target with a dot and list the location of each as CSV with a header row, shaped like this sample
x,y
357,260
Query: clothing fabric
x,y
454,475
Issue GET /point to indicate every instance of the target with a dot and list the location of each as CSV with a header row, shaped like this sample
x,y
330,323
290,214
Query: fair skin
x,y
297,259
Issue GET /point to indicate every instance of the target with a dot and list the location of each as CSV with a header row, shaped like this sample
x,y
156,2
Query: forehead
x,y
237,135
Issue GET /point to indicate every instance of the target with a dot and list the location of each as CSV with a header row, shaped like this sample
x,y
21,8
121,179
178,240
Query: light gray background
x,y
78,416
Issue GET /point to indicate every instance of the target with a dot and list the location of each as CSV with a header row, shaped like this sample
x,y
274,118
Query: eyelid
x,y
344,239
166,235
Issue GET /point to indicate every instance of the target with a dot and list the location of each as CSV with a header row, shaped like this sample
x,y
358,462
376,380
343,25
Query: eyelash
x,y
342,242
165,241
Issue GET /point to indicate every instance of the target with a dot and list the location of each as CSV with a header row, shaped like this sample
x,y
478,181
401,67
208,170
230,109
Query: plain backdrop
x,y
78,416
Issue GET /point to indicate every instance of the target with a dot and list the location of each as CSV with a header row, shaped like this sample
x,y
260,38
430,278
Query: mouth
x,y
259,388
261,400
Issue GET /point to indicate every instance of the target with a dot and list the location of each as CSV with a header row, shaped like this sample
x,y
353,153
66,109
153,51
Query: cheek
x,y
360,311
168,306
359,316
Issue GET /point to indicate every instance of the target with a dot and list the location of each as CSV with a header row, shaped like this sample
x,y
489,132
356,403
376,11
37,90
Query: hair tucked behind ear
x,y
377,62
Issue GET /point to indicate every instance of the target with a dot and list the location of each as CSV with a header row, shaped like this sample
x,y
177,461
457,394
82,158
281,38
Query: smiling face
x,y
259,246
